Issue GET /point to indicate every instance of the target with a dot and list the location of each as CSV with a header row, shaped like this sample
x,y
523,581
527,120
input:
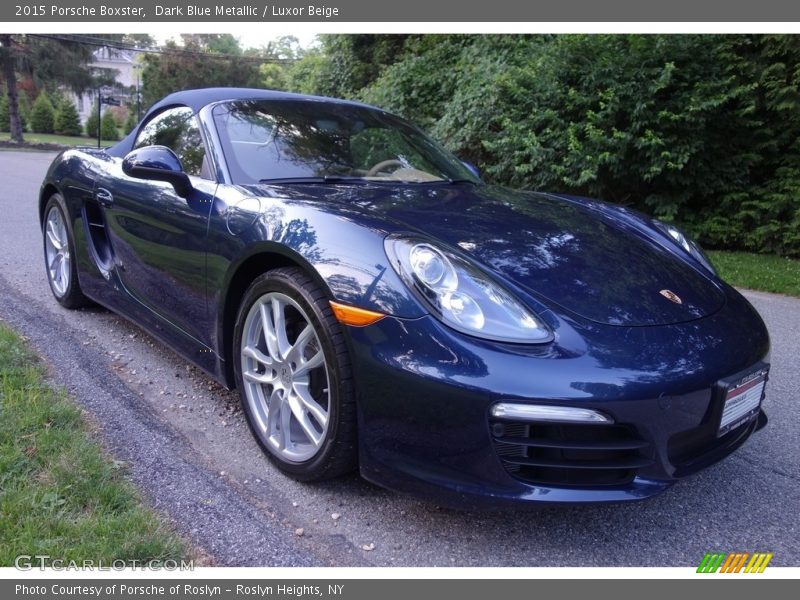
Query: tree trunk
x,y
9,73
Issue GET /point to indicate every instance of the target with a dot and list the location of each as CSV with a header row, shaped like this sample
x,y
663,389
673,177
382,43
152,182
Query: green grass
x,y
765,272
64,140
60,494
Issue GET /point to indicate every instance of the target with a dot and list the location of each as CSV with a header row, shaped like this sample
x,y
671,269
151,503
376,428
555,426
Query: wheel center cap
x,y
286,376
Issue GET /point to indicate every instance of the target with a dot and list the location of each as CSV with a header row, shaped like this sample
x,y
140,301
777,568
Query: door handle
x,y
104,197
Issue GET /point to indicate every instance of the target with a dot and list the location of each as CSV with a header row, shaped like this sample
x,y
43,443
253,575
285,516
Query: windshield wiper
x,y
357,179
324,179
454,181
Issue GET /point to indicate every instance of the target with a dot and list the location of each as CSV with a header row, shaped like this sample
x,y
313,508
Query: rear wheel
x,y
59,255
293,373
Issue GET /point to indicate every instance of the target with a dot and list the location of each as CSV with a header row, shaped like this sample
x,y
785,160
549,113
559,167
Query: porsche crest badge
x,y
671,296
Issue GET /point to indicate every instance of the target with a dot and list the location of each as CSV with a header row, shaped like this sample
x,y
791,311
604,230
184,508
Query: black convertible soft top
x,y
197,99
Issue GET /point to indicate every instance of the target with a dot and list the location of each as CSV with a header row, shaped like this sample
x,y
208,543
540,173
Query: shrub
x,y
42,115
108,127
92,122
131,121
5,118
67,121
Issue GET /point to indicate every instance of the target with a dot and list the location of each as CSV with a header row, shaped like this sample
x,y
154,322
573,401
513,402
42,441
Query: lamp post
x,y
99,112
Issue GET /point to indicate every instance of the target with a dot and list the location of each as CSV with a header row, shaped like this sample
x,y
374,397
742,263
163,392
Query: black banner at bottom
x,y
382,589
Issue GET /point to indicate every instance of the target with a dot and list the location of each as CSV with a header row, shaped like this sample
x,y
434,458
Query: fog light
x,y
540,412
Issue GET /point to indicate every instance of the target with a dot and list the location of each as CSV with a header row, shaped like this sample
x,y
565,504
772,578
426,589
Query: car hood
x,y
573,254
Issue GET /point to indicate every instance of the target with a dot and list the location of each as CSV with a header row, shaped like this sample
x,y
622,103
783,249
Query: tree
x,y
344,64
283,54
52,62
139,40
42,115
702,130
284,47
356,60
8,60
108,127
49,61
272,76
215,43
310,74
67,120
199,63
24,110
135,40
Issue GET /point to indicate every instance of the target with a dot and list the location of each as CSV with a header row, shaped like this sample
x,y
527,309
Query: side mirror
x,y
472,168
157,163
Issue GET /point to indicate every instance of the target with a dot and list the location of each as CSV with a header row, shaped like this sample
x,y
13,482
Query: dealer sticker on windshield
x,y
742,402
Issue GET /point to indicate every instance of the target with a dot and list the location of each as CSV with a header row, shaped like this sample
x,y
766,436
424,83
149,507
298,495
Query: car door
x,y
158,237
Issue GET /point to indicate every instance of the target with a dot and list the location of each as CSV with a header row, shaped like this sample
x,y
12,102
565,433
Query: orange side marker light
x,y
357,317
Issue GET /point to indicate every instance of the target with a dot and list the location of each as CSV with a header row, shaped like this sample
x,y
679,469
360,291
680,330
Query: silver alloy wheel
x,y
285,376
57,251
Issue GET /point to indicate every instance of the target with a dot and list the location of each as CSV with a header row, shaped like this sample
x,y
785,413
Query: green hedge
x,y
699,129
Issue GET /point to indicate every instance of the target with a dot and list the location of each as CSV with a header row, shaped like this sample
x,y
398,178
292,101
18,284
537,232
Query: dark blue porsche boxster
x,y
378,306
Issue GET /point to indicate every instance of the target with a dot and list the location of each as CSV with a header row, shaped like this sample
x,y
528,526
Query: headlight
x,y
688,245
462,296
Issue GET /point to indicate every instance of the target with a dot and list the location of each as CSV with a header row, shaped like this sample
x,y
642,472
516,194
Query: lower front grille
x,y
580,455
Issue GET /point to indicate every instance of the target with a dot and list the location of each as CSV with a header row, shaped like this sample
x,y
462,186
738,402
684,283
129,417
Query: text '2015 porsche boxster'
x,y
378,306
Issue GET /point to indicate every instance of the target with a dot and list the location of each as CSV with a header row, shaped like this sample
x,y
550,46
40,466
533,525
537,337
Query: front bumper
x,y
425,394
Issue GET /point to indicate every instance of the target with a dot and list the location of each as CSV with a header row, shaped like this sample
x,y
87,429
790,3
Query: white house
x,y
123,62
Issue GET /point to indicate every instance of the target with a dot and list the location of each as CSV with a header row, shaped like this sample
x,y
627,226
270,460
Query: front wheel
x,y
59,255
293,373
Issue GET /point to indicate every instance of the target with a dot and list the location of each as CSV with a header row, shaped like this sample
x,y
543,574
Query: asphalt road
x,y
190,452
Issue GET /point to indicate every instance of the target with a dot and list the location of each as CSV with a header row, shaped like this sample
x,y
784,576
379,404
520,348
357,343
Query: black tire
x,y
72,297
338,452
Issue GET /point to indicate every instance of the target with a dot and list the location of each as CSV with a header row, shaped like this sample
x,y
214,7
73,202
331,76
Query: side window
x,y
177,129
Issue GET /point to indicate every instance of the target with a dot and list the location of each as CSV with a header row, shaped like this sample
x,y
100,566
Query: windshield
x,y
314,140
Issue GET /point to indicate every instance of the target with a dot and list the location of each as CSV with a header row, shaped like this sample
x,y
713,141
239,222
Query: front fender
x,y
345,255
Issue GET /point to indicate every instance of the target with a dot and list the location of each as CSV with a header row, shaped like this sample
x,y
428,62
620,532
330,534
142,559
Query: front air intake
x,y
570,455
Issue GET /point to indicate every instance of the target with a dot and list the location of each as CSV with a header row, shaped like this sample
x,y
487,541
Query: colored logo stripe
x,y
710,563
758,563
734,562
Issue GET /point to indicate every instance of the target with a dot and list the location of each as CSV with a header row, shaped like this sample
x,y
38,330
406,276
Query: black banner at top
x,y
255,11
